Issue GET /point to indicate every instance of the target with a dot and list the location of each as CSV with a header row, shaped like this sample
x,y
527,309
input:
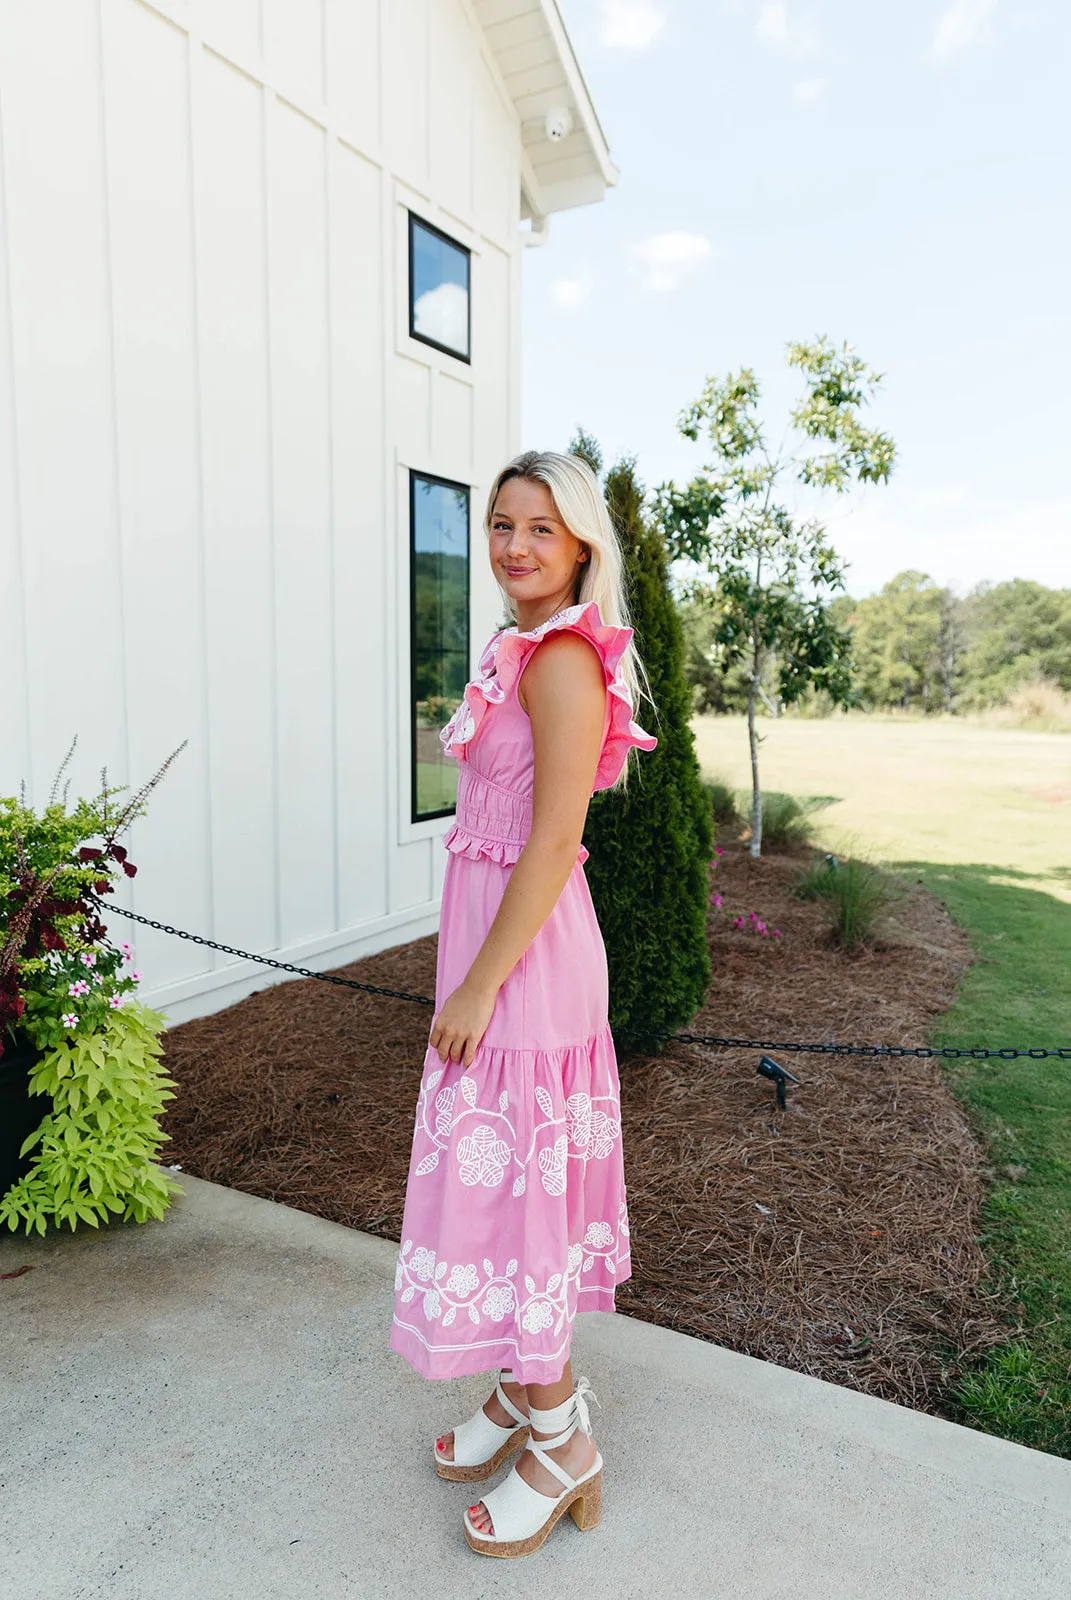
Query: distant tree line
x,y
916,646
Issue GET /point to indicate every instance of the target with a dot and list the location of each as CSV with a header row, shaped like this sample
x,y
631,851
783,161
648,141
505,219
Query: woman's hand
x,y
458,1028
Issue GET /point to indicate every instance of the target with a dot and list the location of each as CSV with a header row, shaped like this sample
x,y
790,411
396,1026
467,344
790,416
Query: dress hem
x,y
489,1355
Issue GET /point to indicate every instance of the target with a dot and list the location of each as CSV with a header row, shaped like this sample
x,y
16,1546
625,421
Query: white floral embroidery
x,y
498,1302
463,1280
444,1111
423,1264
496,1297
578,1119
538,1314
605,1131
552,1165
482,1157
587,1128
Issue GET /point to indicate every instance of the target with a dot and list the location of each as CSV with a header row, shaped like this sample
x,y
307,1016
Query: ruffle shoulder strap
x,y
504,660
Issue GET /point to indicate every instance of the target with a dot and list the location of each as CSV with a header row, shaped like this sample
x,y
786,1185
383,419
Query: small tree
x,y
767,573
651,843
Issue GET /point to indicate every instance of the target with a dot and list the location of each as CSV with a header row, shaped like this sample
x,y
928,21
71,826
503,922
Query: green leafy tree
x,y
907,642
918,647
769,573
1018,631
715,687
651,843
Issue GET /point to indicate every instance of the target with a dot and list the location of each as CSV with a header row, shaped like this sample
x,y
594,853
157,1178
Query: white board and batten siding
x,y
209,407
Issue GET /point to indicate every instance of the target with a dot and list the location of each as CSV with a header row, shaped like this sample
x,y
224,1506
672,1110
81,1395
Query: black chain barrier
x,y
708,1041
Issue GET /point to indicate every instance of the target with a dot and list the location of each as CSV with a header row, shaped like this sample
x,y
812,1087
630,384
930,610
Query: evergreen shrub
x,y
651,843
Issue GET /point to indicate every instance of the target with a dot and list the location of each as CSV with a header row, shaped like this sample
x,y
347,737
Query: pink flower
x,y
760,927
128,950
76,989
718,900
88,958
718,851
738,922
98,977
115,1001
777,933
69,1019
136,975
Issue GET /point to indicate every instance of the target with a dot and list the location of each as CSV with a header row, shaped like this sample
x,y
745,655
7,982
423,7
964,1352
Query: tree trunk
x,y
753,739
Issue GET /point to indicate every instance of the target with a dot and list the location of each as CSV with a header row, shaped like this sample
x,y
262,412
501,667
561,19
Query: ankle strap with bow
x,y
563,1420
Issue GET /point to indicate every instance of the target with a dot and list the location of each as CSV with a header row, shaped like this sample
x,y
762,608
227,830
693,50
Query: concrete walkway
x,y
205,1409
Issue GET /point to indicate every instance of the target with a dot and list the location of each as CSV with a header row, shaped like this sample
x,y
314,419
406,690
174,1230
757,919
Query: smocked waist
x,y
488,810
491,822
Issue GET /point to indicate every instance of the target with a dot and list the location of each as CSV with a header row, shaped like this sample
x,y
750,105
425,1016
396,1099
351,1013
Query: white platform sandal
x,y
521,1516
480,1445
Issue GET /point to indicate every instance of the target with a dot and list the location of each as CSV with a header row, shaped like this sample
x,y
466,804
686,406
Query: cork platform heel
x,y
480,1445
522,1517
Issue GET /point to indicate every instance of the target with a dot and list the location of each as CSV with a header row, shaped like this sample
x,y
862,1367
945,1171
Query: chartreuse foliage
x,y
97,1146
67,993
651,843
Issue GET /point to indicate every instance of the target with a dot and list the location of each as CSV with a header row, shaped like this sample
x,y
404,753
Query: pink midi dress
x,y
515,1214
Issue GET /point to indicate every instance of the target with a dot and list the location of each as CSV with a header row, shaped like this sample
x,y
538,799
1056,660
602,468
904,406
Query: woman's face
x,y
533,555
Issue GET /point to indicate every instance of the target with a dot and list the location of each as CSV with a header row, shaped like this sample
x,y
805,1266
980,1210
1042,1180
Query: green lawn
x,y
983,816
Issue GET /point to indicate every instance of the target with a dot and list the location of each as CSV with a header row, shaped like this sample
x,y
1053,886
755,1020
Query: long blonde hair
x,y
581,504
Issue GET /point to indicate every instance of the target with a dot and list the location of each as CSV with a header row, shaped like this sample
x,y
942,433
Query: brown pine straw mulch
x,y
838,1237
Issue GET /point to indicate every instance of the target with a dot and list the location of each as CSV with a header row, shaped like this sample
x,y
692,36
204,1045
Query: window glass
x,y
439,281
439,631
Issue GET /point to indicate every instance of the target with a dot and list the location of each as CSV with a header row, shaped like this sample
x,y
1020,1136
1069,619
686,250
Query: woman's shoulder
x,y
583,619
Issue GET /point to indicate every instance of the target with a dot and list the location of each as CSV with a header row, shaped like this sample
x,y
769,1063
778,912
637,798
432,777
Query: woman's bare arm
x,y
564,692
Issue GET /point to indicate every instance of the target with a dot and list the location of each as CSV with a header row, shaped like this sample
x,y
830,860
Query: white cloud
x,y
795,35
964,23
665,259
809,91
629,24
569,294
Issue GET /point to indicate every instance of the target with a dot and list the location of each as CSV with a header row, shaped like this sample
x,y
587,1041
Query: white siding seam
x,y
256,70
329,160
386,250
130,894
193,58
266,103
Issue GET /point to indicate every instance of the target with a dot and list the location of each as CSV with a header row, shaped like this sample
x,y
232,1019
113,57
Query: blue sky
x,y
896,176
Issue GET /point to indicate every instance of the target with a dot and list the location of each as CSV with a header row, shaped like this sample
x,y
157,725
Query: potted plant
x,y
81,1086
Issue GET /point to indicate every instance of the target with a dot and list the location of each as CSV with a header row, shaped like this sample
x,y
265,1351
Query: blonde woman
x,y
515,1214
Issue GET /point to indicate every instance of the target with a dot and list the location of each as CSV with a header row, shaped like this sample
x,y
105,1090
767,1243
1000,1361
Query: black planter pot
x,y
20,1112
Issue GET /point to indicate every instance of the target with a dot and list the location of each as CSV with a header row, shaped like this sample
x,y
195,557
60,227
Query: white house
x,y
260,271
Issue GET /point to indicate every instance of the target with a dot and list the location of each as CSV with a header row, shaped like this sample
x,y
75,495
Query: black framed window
x,y
439,300
438,632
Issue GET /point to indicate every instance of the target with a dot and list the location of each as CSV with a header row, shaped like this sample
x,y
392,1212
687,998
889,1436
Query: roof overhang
x,y
533,53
